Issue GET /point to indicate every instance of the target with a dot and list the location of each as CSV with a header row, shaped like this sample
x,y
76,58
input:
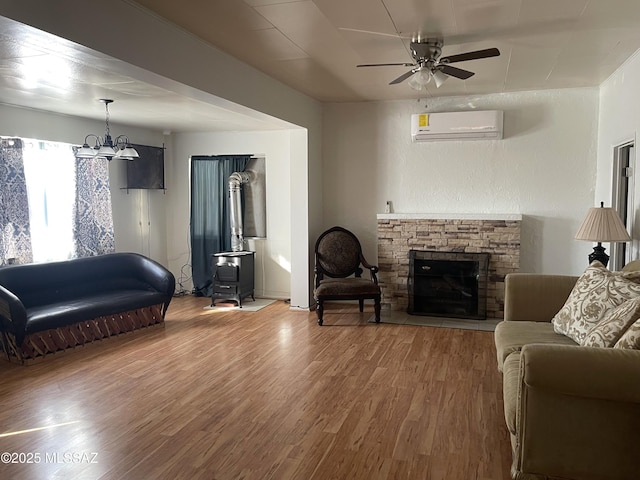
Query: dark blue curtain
x,y
210,228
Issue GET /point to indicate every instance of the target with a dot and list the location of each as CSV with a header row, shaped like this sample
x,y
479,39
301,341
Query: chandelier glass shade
x,y
106,147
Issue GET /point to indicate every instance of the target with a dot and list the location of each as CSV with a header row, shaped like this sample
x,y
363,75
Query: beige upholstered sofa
x,y
573,412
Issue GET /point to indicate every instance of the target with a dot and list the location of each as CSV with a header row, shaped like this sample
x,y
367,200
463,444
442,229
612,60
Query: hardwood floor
x,y
261,395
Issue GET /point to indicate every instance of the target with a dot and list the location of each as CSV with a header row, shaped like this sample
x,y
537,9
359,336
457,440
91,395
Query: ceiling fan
x,y
427,63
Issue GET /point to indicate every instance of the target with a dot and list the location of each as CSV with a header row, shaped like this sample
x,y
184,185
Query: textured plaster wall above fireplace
x,y
545,169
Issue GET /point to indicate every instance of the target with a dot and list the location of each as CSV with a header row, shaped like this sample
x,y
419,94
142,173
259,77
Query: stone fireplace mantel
x,y
398,233
450,216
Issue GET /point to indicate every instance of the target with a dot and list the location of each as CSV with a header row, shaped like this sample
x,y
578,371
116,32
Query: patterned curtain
x,y
15,237
93,217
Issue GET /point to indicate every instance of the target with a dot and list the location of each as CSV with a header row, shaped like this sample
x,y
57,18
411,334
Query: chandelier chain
x,y
106,107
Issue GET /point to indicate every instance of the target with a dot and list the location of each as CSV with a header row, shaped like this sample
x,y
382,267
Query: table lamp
x,y
602,225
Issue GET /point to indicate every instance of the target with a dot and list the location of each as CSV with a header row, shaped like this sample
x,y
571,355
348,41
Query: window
x,y
53,206
49,169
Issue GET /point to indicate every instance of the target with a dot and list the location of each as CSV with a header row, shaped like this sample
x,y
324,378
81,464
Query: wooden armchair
x,y
338,272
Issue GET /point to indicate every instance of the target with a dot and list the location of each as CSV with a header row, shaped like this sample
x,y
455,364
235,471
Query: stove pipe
x,y
236,180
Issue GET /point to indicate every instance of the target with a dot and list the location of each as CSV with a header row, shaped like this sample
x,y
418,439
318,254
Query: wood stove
x,y
233,276
448,284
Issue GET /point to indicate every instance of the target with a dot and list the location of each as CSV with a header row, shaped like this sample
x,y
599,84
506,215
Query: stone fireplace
x,y
398,234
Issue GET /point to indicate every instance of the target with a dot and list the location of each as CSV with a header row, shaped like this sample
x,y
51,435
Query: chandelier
x,y
106,147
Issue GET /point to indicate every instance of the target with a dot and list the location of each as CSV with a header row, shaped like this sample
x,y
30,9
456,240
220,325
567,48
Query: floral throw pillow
x,y
630,338
596,293
615,323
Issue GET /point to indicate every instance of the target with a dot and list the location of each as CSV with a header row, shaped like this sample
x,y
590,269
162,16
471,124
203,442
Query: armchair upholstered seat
x,y
338,272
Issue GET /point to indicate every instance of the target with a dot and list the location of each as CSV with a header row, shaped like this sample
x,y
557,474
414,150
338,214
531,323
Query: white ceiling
x,y
314,45
44,72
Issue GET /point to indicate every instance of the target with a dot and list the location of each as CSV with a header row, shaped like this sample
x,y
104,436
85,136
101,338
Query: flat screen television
x,y
146,171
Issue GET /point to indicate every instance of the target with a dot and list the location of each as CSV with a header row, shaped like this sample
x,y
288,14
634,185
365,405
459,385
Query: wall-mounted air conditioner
x,y
470,125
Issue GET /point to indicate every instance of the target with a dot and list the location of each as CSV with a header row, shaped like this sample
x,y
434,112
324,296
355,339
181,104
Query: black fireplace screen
x,y
448,284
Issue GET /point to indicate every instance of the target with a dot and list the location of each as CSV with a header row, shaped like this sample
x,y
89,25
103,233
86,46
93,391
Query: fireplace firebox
x,y
448,284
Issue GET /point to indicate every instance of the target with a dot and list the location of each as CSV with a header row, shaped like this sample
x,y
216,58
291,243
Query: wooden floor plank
x,y
262,395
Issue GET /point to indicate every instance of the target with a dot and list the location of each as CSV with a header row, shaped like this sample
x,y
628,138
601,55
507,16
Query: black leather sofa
x,y
49,307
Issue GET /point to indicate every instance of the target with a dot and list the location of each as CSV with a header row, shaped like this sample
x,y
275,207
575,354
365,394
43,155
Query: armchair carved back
x,y
338,254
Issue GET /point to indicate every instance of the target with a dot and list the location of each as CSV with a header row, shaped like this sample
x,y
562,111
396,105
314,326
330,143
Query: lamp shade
x,y
603,224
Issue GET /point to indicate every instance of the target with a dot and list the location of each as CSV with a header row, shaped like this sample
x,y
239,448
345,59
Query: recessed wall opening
x,y
623,200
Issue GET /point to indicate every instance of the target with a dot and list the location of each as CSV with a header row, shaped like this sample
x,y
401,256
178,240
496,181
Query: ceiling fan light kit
x,y
423,76
439,78
428,64
419,79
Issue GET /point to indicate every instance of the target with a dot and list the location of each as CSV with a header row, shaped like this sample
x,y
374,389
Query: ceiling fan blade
x,y
387,65
369,32
402,77
475,55
455,72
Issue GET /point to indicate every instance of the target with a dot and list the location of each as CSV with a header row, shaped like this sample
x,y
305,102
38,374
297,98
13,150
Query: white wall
x,y
273,254
138,216
140,221
544,168
620,123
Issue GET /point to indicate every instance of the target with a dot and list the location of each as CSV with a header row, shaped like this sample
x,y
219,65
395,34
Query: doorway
x,y
623,201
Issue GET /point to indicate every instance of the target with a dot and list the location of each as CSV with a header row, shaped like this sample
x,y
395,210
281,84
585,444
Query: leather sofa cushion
x,y
68,312
512,336
511,389
81,289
